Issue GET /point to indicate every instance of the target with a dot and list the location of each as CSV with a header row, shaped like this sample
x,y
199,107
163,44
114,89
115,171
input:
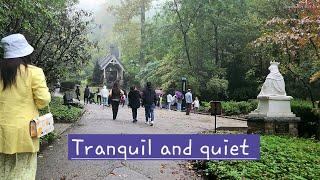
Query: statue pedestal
x,y
273,106
273,116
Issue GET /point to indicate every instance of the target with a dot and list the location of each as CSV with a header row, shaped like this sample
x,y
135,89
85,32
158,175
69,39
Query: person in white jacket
x,y
105,95
169,101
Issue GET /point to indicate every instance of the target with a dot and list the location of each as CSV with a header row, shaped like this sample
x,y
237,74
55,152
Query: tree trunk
x,y
184,33
306,84
216,45
143,28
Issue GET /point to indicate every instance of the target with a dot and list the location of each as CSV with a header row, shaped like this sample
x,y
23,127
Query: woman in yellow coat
x,y
23,90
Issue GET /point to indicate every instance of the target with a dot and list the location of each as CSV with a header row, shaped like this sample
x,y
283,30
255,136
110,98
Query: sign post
x,y
215,110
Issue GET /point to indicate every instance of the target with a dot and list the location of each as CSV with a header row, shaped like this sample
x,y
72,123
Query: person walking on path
x,y
189,101
91,96
105,95
78,93
149,100
115,95
23,90
196,105
123,99
98,96
134,102
86,95
179,98
160,100
169,101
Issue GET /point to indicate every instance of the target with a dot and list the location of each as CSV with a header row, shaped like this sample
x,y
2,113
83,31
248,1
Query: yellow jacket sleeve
x,y
40,90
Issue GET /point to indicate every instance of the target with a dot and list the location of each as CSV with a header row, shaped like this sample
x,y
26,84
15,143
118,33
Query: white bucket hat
x,y
15,46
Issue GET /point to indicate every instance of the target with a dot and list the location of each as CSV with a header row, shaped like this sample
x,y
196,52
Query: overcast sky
x,y
91,4
95,4
105,19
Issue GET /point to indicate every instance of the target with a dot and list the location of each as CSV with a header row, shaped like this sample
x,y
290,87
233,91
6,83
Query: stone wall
x,y
273,125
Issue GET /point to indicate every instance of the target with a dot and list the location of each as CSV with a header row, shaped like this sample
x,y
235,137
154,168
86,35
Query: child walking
x,y
196,105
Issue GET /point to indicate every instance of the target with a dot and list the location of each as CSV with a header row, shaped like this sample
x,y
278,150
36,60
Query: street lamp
x,y
184,84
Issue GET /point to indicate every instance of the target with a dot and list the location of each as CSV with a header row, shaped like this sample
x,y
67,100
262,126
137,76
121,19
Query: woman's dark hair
x,y
115,85
132,88
9,69
116,88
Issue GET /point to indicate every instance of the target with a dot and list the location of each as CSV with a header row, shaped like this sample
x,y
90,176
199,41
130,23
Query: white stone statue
x,y
274,84
273,100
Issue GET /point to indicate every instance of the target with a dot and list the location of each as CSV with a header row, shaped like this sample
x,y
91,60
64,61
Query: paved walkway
x,y
53,163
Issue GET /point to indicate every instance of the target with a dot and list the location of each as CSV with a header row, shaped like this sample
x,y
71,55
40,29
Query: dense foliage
x,y
309,118
304,109
236,108
222,47
47,139
280,158
230,108
56,30
295,40
62,113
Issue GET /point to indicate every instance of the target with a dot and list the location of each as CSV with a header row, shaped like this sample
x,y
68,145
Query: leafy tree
x,y
55,29
97,77
297,41
210,43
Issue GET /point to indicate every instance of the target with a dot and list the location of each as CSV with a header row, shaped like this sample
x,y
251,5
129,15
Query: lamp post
x,y
184,90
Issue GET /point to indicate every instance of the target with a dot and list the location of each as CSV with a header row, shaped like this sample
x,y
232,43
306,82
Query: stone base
x,y
273,106
273,125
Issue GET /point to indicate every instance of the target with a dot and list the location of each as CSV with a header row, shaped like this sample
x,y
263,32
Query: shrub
x,y
47,139
230,108
281,158
62,113
217,88
237,108
309,119
204,107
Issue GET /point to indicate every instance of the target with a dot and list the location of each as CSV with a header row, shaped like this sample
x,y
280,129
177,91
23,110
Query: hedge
x,y
309,117
237,108
281,158
62,113
230,108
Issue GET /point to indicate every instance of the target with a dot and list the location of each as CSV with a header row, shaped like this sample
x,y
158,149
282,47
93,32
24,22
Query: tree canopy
x,y
56,30
222,47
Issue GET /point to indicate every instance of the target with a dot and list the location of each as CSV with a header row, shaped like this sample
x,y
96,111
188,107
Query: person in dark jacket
x,y
149,100
134,102
91,97
86,95
99,98
115,95
78,93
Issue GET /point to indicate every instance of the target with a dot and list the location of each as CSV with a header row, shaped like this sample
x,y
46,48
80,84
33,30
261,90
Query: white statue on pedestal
x,y
273,100
274,84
